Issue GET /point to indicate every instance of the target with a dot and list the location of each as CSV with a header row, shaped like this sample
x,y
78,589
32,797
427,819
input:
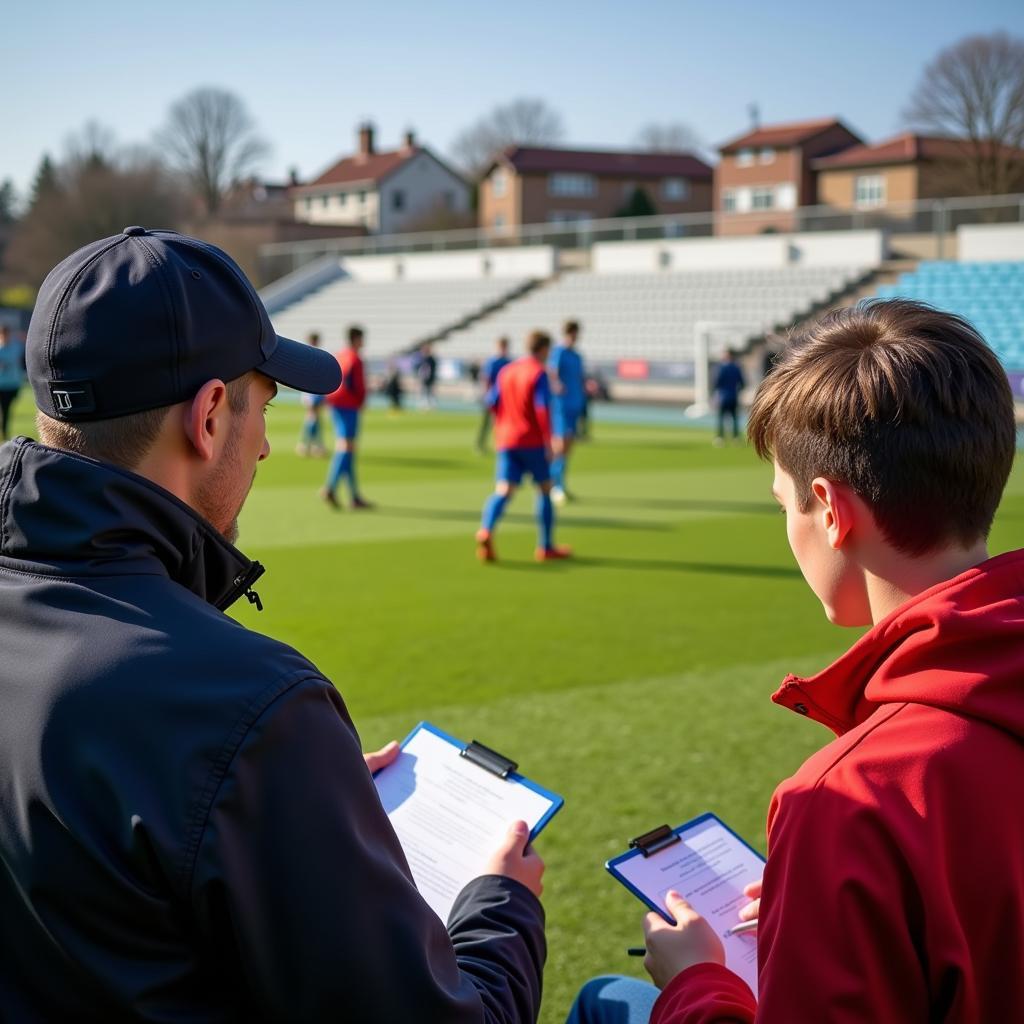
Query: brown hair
x,y
571,327
537,341
126,440
355,332
904,403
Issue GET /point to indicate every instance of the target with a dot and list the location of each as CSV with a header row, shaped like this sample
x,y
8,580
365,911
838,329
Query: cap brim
x,y
302,367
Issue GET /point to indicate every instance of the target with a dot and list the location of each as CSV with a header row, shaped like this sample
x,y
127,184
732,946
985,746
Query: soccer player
x,y
521,400
567,383
728,385
311,438
489,378
346,404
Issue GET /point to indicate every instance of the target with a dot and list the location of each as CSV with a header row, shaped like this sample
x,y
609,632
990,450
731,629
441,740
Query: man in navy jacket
x,y
188,830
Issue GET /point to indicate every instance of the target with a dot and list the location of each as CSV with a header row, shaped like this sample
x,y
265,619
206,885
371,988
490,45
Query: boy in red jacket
x,y
346,404
894,887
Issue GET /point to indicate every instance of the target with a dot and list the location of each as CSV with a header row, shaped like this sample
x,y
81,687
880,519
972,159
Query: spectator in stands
x,y
346,404
311,438
12,375
569,394
188,828
488,378
729,382
521,400
893,885
426,370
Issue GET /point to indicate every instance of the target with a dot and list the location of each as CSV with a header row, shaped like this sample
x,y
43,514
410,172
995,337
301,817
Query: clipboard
x,y
450,808
706,862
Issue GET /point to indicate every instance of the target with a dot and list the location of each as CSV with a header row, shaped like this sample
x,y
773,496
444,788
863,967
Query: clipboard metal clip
x,y
489,760
657,839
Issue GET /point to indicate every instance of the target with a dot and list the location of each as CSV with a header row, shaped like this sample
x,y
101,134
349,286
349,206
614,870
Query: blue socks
x,y
311,432
558,471
341,465
545,519
493,509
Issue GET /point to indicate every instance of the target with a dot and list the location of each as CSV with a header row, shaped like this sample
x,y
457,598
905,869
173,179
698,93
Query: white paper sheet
x,y
709,867
450,815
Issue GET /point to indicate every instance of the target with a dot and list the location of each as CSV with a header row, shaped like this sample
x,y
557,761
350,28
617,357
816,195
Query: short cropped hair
x,y
355,332
126,440
571,327
904,403
537,342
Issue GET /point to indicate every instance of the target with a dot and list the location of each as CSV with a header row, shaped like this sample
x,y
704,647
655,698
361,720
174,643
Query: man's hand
x,y
515,859
383,757
673,948
751,911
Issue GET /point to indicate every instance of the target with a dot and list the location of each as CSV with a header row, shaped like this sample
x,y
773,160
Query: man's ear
x,y
205,419
834,504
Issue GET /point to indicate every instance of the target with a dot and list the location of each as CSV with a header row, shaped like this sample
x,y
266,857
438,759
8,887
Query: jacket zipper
x,y
243,585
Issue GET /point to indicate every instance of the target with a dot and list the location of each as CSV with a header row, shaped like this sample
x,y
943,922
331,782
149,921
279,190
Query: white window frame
x,y
869,191
763,192
675,190
730,201
766,155
745,157
499,183
571,185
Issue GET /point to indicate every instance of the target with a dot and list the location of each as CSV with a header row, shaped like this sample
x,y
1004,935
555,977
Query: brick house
x,y
383,192
766,173
533,185
903,169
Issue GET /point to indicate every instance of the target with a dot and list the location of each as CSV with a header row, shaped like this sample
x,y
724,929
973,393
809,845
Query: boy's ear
x,y
204,417
834,505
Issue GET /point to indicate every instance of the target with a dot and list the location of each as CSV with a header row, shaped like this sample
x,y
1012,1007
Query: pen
x,y
637,951
743,928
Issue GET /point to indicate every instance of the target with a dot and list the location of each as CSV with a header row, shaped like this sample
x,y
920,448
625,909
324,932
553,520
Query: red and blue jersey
x,y
521,398
352,393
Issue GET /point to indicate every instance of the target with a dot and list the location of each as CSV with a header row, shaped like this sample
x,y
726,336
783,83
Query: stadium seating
x,y
653,316
990,295
395,314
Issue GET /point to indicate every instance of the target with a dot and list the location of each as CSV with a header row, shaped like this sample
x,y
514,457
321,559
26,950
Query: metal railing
x,y
933,217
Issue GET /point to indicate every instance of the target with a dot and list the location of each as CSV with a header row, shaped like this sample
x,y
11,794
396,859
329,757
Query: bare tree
x,y
523,122
671,137
210,136
93,145
974,91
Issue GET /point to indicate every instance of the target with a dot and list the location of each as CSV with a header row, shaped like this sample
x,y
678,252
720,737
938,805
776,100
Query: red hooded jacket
x,y
352,392
894,889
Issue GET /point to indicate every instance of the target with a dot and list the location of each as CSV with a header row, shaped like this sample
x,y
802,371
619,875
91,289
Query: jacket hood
x,y
958,646
65,514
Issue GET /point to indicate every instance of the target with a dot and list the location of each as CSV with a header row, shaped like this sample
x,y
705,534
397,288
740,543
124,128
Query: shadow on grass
x,y
664,565
690,505
472,516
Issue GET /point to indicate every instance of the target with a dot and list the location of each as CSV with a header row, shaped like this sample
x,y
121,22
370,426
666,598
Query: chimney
x,y
366,139
409,140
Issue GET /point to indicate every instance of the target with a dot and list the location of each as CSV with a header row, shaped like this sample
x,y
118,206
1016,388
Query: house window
x,y
675,189
362,197
869,190
571,185
767,155
309,203
398,199
499,183
499,220
342,198
744,157
762,198
325,201
729,200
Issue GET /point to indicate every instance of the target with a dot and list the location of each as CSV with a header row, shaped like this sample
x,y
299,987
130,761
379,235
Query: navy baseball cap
x,y
143,319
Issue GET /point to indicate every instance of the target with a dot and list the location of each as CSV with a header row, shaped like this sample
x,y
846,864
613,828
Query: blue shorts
x,y
514,462
313,401
346,423
564,418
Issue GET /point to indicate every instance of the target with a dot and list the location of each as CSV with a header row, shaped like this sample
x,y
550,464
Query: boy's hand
x,y
383,757
515,859
751,911
672,948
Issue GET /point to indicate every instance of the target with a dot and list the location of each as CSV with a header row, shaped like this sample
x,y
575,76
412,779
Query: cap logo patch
x,y
72,396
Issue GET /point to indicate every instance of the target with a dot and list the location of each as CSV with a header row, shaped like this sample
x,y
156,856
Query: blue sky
x,y
310,70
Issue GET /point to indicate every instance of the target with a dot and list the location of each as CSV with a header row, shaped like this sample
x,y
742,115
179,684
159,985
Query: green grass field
x,y
634,680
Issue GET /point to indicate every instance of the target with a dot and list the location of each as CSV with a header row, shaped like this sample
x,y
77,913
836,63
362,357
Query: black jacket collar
x,y
68,515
